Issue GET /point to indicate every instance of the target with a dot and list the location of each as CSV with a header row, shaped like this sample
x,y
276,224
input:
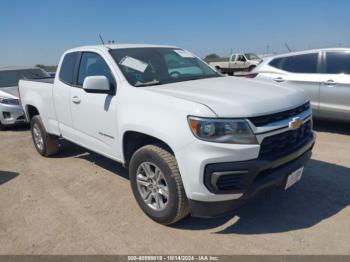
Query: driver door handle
x,y
278,79
76,100
330,83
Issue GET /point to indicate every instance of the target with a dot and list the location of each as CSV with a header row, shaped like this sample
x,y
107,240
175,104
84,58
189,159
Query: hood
x,y
235,97
9,92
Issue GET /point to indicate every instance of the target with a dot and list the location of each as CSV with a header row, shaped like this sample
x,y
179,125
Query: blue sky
x,y
38,31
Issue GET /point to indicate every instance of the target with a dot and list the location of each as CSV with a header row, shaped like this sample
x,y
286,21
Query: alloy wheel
x,y
152,186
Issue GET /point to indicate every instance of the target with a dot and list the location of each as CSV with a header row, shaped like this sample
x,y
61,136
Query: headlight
x,y
232,131
9,101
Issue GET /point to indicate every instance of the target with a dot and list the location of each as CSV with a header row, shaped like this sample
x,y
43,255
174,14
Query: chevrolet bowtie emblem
x,y
295,123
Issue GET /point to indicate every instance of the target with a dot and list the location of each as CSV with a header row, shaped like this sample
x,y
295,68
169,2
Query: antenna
x,y
287,46
103,42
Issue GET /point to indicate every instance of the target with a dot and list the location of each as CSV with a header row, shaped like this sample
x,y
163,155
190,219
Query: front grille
x,y
276,146
265,120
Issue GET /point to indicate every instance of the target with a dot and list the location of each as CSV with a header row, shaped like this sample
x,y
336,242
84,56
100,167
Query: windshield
x,y
251,56
155,66
11,77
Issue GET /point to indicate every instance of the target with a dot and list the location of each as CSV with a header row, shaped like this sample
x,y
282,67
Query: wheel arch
x,y
31,111
133,140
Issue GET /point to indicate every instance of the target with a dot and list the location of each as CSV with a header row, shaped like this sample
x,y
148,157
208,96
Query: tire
x,y
2,127
173,208
45,144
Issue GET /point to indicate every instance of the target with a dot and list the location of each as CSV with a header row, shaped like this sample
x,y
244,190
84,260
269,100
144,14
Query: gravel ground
x,y
80,203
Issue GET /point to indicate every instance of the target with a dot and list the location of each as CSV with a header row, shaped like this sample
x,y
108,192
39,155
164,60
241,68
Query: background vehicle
x,y
10,109
236,62
324,74
193,140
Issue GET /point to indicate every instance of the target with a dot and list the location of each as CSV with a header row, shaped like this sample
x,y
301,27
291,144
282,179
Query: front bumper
x,y
11,115
258,175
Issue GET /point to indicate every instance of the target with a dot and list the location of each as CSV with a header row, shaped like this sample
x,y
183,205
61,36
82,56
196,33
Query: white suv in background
x,y
11,112
323,73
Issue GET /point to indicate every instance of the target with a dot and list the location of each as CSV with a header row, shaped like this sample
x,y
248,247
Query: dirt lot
x,y
81,203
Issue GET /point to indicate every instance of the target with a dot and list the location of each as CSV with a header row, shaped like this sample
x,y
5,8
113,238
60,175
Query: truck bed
x,y
48,80
220,59
38,93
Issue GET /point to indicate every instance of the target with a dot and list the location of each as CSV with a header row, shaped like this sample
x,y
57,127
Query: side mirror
x,y
96,84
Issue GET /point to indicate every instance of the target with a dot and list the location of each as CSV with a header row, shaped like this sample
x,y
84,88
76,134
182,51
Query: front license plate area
x,y
294,177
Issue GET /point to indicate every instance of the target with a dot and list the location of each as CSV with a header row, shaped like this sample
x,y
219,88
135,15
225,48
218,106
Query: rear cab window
x,y
305,63
68,68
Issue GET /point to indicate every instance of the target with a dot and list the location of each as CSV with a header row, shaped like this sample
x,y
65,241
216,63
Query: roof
x,y
310,51
120,46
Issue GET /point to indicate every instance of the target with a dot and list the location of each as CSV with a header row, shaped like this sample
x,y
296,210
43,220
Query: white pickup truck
x,y
235,63
194,141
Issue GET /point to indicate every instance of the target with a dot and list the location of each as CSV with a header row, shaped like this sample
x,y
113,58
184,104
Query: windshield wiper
x,y
150,83
199,77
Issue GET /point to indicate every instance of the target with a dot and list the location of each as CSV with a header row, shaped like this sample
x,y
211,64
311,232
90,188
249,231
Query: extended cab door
x,y
94,113
62,94
335,86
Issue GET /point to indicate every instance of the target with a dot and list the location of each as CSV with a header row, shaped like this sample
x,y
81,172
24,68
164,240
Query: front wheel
x,y
157,185
45,143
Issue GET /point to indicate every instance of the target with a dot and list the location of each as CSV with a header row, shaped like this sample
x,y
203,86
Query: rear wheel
x,y
157,185
2,127
45,143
